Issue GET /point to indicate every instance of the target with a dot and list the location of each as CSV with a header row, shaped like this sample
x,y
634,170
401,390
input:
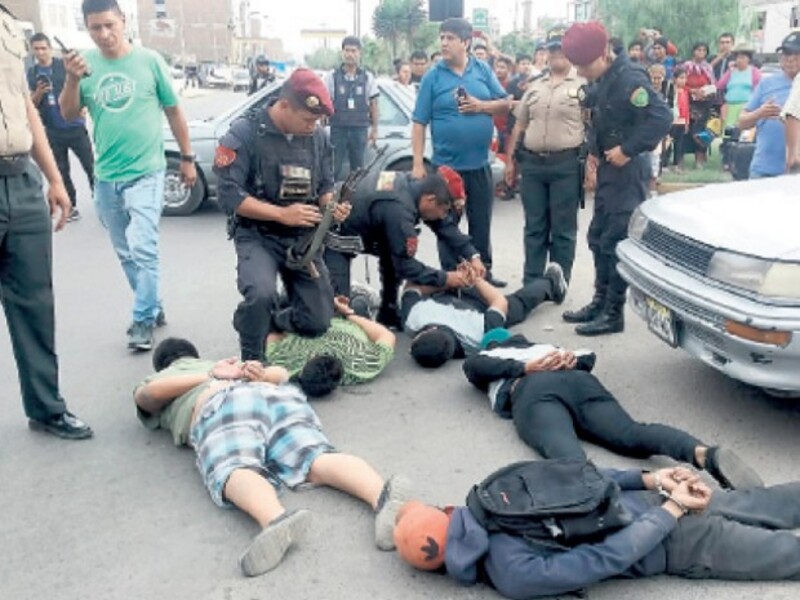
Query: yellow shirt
x,y
15,135
550,114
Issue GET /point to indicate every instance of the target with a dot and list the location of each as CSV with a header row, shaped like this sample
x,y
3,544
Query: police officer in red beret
x,y
275,175
628,119
387,209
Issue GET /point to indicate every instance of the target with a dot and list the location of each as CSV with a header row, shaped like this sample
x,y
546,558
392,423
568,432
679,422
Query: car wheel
x,y
179,200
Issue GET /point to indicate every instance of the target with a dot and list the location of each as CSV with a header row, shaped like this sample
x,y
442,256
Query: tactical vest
x,y
350,101
390,186
283,171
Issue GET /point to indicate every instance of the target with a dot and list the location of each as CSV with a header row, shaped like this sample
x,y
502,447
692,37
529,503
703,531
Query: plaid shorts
x,y
266,428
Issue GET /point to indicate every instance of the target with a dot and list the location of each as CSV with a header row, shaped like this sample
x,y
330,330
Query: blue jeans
x,y
130,211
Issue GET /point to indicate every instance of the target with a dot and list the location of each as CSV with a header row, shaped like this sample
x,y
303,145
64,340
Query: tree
x,y
398,20
375,55
684,22
322,59
517,43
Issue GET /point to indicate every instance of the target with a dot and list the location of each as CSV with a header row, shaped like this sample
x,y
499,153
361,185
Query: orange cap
x,y
420,535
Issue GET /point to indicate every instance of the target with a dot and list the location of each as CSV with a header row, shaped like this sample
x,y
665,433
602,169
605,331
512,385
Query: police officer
x,y
26,274
550,127
355,98
275,174
262,75
628,119
386,210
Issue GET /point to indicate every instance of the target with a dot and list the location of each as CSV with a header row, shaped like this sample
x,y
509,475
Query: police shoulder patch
x,y
224,156
640,98
386,181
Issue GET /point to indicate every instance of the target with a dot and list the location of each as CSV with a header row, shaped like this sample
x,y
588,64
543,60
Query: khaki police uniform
x,y
550,115
25,238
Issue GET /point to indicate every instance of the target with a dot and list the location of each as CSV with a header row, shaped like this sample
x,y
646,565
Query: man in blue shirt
x,y
764,109
458,98
45,80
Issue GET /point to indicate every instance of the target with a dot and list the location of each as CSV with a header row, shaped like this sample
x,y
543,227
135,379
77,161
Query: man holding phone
x,y
127,89
458,98
46,80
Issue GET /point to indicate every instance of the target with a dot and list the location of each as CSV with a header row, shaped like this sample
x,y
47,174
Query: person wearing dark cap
x,y
254,434
458,98
764,108
549,125
555,401
275,175
628,120
386,211
445,325
262,75
355,100
791,119
671,523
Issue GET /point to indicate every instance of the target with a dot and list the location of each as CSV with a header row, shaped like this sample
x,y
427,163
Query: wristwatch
x,y
188,157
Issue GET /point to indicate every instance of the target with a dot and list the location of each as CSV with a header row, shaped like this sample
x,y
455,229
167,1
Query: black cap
x,y
790,44
262,60
554,37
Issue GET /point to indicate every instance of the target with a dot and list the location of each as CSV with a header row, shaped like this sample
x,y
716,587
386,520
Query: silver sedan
x,y
716,272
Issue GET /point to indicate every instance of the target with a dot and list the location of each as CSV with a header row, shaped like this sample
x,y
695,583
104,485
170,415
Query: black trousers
x,y
77,140
550,198
553,410
26,290
619,192
260,259
520,304
480,201
339,263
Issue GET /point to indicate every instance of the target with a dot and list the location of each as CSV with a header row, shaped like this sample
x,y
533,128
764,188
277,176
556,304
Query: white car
x,y
716,271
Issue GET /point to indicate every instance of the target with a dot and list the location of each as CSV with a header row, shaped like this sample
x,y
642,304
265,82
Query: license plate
x,y
661,321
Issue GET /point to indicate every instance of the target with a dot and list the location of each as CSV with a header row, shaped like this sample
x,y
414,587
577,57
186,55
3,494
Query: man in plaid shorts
x,y
253,432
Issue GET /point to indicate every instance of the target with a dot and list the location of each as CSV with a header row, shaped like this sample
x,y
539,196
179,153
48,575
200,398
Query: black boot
x,y
586,314
612,320
388,316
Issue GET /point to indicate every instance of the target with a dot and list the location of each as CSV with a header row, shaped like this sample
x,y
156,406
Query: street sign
x,y
480,19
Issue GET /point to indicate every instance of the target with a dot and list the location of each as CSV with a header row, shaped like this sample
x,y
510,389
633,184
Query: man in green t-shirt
x,y
126,89
362,348
254,433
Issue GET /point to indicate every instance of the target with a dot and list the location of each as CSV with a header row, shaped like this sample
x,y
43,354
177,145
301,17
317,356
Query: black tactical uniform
x,y
255,158
625,112
385,217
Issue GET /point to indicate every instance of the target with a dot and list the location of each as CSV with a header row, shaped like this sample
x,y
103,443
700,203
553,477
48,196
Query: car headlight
x,y
782,281
765,277
637,225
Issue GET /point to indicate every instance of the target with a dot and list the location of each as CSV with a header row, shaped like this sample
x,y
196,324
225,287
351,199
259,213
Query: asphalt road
x,y
126,516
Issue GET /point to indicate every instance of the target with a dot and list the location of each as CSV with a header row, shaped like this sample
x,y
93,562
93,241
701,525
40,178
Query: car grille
x,y
682,251
675,302
709,337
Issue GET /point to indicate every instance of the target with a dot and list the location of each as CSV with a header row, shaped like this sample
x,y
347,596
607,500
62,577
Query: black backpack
x,y
558,503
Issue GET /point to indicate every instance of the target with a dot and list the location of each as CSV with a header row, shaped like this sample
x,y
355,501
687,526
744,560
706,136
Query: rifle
x,y
301,256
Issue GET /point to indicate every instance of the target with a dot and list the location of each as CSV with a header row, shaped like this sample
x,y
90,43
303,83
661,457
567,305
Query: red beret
x,y
584,43
310,92
454,182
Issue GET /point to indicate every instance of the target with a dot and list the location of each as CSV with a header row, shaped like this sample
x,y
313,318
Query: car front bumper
x,y
699,311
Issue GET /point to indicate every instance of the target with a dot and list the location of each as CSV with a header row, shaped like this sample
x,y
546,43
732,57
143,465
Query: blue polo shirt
x,y
769,158
460,141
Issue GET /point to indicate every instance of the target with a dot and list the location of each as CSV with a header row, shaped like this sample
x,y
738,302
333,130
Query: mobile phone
x,y
66,50
461,94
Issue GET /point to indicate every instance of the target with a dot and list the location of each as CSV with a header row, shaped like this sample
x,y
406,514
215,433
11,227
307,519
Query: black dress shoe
x,y
65,425
498,283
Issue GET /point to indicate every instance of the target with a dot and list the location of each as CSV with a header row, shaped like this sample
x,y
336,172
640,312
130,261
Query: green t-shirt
x,y
362,359
126,97
177,415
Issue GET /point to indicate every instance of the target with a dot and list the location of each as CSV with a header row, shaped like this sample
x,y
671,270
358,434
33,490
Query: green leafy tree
x,y
375,55
426,38
517,43
397,21
323,59
684,22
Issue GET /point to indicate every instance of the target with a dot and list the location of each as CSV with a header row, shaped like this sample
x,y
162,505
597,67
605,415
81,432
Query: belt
x,y
14,164
549,158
